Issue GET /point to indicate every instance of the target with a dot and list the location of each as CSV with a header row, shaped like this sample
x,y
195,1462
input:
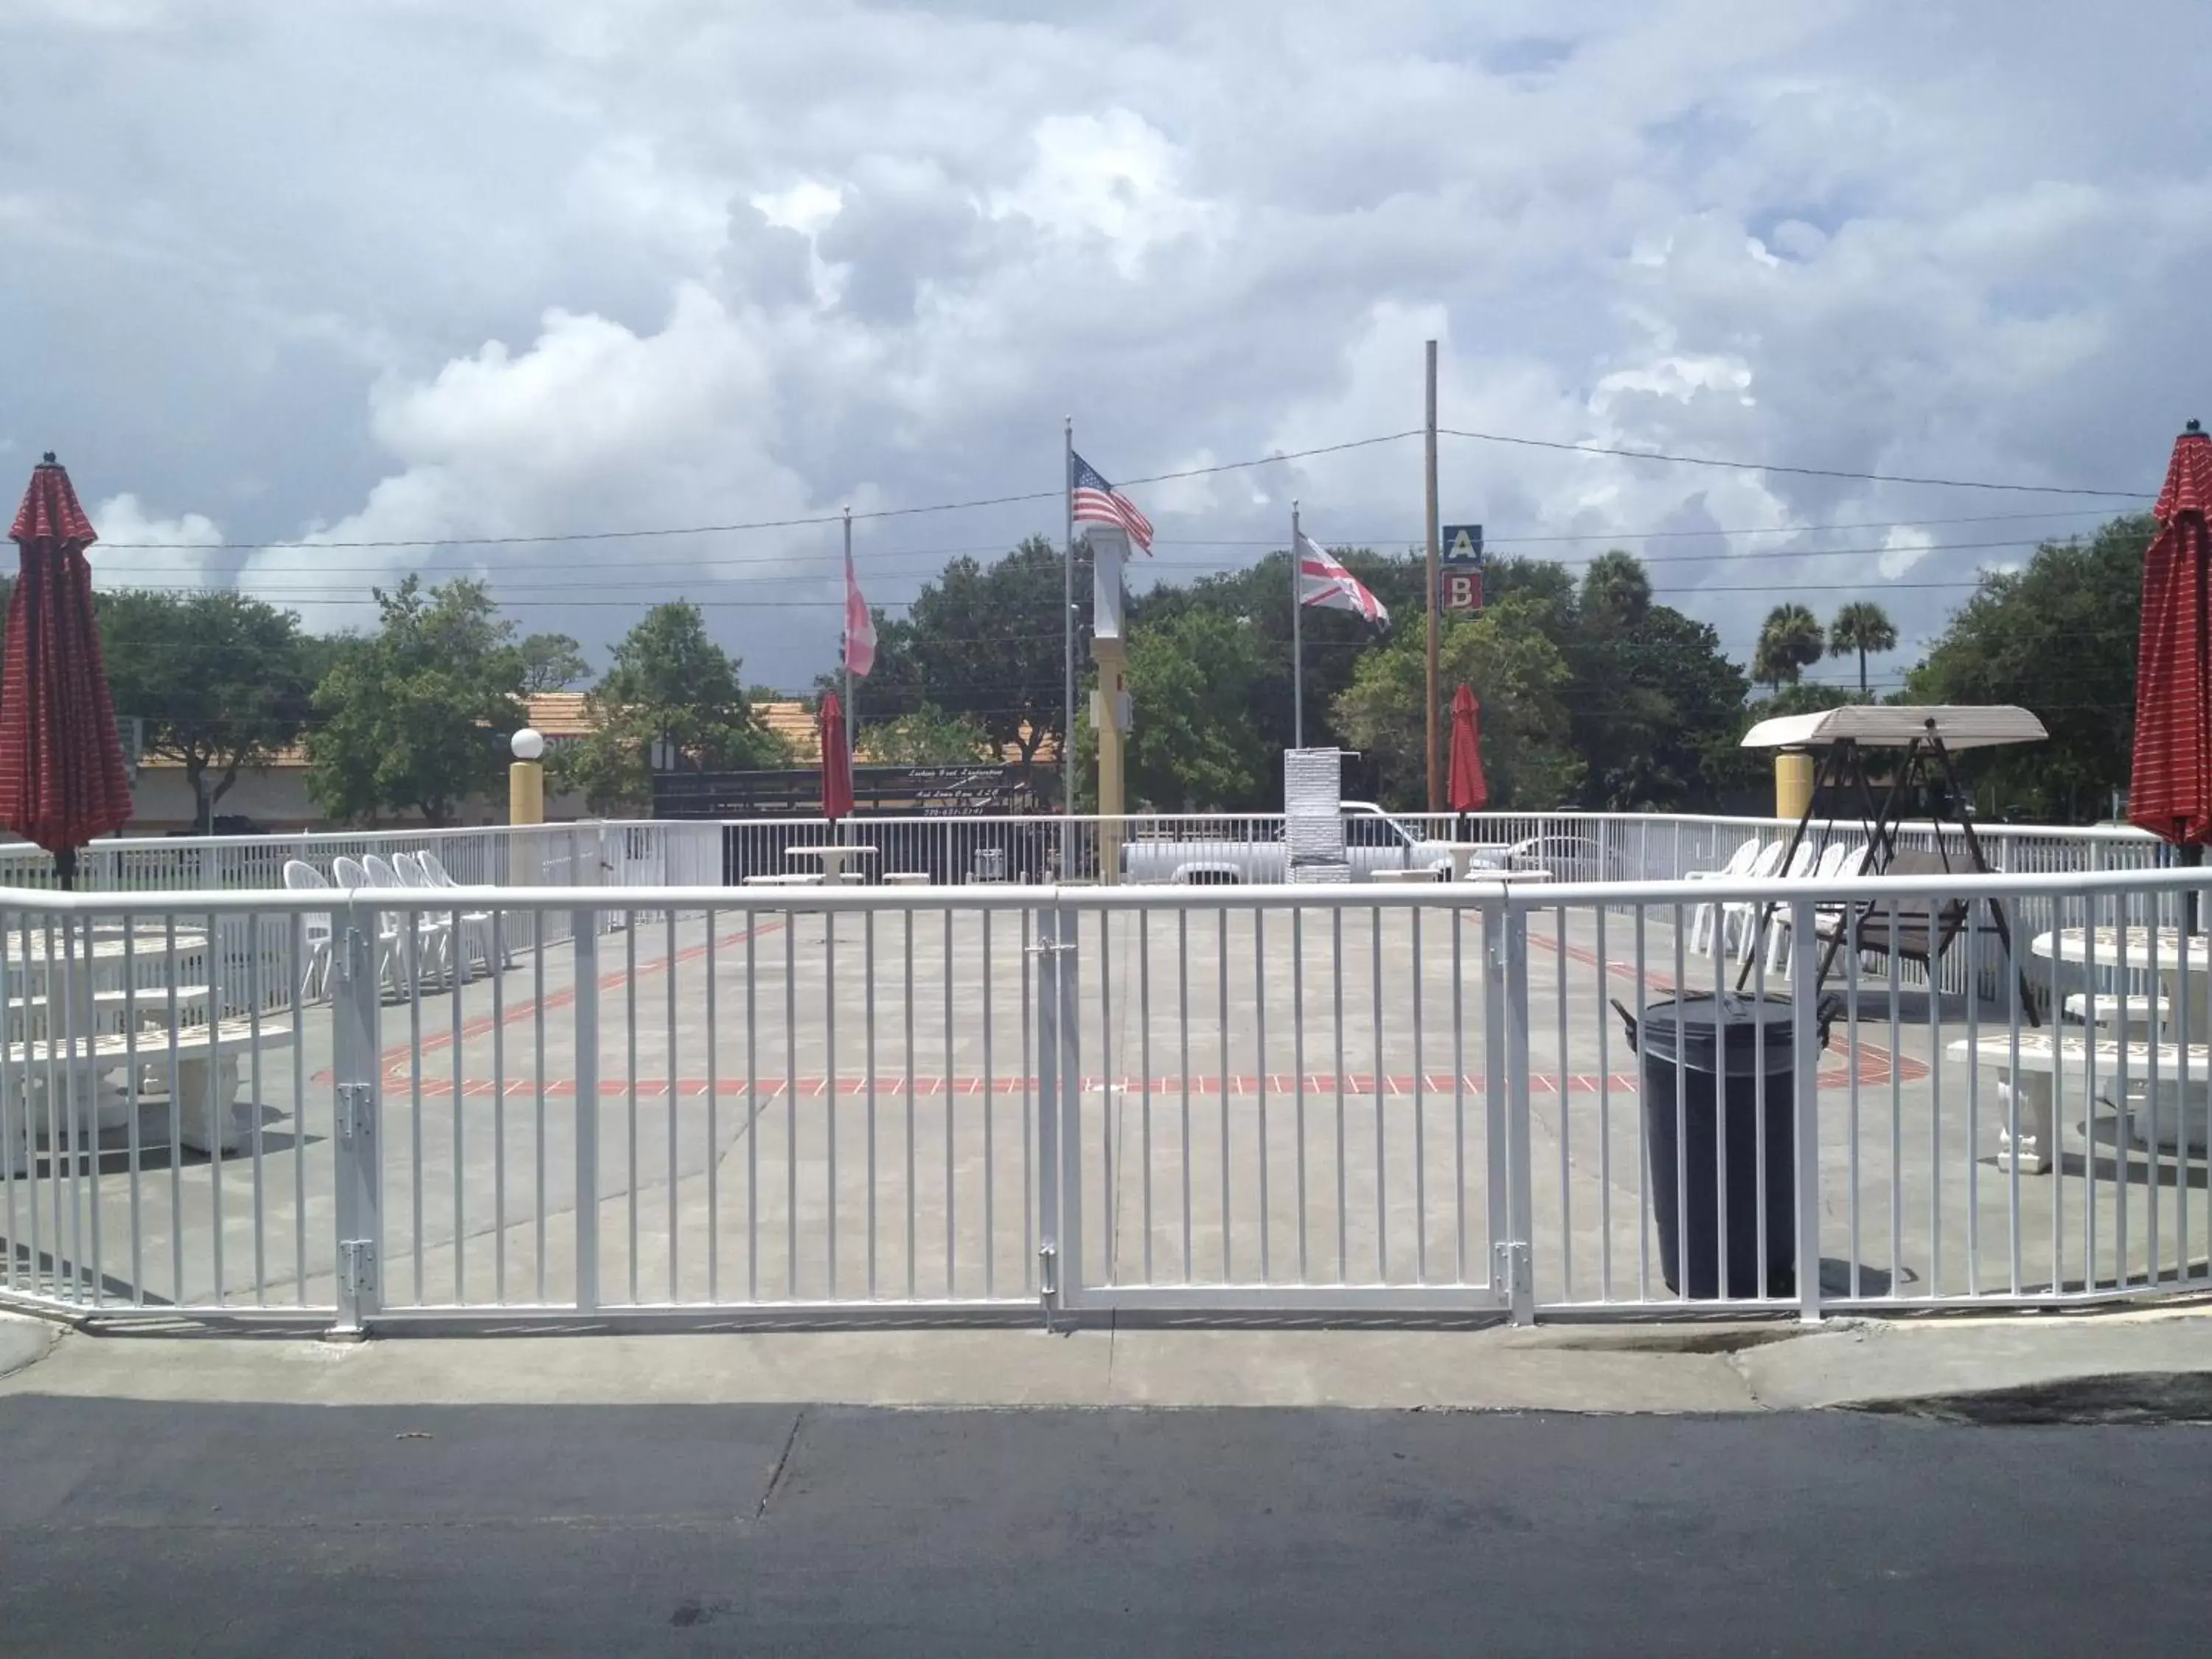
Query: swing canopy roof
x,y
1895,725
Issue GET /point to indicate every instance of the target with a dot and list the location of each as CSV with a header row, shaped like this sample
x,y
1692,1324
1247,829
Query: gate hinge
x,y
357,1265
356,1111
1510,1270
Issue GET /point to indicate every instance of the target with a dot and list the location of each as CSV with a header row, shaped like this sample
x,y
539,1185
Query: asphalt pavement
x,y
151,1527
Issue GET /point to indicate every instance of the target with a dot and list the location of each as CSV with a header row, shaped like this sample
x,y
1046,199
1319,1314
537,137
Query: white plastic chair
x,y
390,963
433,867
1704,919
315,982
1739,917
1835,861
475,932
434,934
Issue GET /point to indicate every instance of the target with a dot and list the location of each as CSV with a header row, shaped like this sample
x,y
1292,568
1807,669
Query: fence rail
x,y
673,1101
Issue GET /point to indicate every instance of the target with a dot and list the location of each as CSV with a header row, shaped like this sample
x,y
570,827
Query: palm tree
x,y
1790,642
1865,627
1616,590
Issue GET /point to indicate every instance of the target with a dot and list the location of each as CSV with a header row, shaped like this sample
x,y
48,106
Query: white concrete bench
x,y
906,879
150,1002
2043,1056
207,1060
2139,1017
1400,877
803,878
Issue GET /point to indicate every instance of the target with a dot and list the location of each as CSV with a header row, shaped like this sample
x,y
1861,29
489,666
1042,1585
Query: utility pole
x,y
1435,598
1297,634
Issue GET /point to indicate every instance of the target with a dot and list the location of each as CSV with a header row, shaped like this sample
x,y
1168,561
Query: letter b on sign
x,y
1462,590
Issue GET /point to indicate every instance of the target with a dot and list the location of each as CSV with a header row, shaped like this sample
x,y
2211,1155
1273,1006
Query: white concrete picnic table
x,y
1462,854
145,1029
2126,1074
835,856
2183,962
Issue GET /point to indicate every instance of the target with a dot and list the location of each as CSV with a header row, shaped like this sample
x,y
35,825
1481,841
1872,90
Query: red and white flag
x,y
1325,585
859,626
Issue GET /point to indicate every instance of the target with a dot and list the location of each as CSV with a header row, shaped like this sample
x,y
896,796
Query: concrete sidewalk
x,y
1675,1368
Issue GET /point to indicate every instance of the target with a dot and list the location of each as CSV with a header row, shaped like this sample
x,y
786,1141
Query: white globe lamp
x,y
525,779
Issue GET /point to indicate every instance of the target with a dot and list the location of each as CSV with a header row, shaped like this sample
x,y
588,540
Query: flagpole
x,y
1297,634
1067,624
852,714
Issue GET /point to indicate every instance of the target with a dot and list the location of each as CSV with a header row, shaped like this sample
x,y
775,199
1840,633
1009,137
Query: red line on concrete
x,y
815,1088
483,1024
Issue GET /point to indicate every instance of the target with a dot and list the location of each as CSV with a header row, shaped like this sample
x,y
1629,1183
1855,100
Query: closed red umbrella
x,y
61,780
1470,790
2170,792
836,760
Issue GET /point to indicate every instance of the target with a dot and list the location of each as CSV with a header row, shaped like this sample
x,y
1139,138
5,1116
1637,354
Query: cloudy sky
x,y
409,271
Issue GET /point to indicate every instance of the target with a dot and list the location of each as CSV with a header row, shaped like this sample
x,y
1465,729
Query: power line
x,y
1801,471
770,523
876,514
830,573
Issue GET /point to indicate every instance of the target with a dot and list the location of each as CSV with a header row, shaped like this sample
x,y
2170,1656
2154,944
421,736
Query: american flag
x,y
1093,500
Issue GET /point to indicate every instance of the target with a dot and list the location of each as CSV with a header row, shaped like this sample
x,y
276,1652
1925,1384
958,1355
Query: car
x,y
1567,855
1373,841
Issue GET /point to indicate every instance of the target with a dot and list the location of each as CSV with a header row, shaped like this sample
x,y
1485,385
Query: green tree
x,y
1520,678
1259,597
1865,627
666,683
928,736
551,662
2058,637
417,715
1790,642
1656,705
221,680
985,643
1194,747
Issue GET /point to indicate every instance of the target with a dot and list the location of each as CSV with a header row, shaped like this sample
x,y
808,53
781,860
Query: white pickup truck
x,y
1373,841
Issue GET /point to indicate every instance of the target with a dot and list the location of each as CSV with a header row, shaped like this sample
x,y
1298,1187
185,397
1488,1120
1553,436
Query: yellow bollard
x,y
525,779
1793,784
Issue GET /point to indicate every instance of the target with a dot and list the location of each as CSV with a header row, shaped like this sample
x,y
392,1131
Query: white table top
x,y
145,947
2129,947
832,850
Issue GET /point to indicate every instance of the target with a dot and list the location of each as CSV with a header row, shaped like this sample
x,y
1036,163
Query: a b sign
x,y
1462,588
1461,543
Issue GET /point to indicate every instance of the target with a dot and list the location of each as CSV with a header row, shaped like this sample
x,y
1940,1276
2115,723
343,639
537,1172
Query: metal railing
x,y
672,1103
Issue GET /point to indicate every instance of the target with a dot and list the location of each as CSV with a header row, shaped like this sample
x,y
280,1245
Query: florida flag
x,y
1325,585
859,626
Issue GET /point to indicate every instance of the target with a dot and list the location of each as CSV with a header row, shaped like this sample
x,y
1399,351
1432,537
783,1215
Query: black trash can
x,y
1699,1051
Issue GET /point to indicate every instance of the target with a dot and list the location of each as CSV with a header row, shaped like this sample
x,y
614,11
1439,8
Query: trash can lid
x,y
1687,1030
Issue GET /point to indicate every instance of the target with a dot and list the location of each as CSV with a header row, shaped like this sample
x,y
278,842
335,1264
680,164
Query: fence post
x,y
357,1101
1058,1129
1804,1027
583,936
1515,1259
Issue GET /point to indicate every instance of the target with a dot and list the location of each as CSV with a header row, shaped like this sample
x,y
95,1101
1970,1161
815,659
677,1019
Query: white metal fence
x,y
674,1102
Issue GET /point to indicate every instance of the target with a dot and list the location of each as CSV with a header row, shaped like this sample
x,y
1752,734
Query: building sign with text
x,y
1460,568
